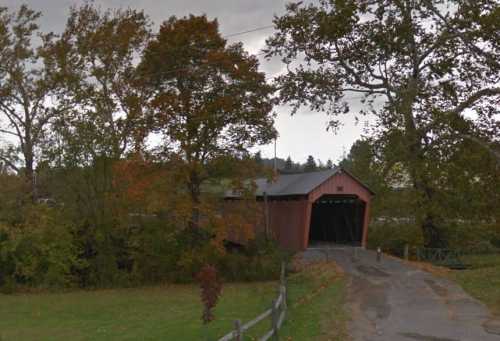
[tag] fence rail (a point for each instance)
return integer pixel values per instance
(277, 313)
(441, 256)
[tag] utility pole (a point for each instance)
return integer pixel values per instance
(275, 167)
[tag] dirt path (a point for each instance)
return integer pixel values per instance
(394, 301)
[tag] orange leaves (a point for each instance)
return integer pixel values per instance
(140, 185)
(241, 218)
(210, 102)
(211, 288)
(134, 177)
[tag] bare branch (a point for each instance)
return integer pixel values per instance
(464, 38)
(463, 130)
(10, 112)
(8, 132)
(474, 98)
(12, 117)
(365, 91)
(9, 163)
(357, 78)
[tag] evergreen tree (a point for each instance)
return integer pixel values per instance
(288, 163)
(310, 165)
(329, 164)
(258, 157)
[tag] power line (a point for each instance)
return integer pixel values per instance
(256, 29)
(248, 31)
(186, 68)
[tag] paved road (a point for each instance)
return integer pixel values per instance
(394, 301)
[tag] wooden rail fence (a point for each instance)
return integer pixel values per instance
(441, 256)
(276, 313)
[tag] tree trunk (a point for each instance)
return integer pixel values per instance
(196, 235)
(433, 236)
(194, 189)
(29, 171)
(427, 212)
(418, 164)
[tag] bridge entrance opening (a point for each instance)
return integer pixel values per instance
(337, 219)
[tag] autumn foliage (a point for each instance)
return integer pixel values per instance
(121, 142)
(211, 288)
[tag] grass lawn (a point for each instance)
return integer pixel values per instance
(316, 310)
(172, 312)
(481, 279)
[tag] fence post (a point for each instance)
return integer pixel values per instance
(282, 272)
(266, 215)
(407, 252)
(285, 287)
(239, 332)
(275, 315)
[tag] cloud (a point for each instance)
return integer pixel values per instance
(301, 135)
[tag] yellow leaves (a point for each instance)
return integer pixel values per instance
(241, 218)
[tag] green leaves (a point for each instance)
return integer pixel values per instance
(429, 62)
(94, 61)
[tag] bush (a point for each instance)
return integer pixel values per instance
(392, 237)
(472, 237)
(40, 252)
(259, 260)
(46, 251)
(154, 252)
(211, 288)
(462, 236)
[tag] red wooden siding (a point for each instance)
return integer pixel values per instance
(289, 220)
(344, 180)
(349, 186)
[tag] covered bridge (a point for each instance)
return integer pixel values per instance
(301, 210)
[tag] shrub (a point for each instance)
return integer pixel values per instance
(259, 260)
(40, 252)
(392, 237)
(47, 251)
(472, 237)
(211, 288)
(154, 252)
(462, 236)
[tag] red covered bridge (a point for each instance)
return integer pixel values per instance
(307, 208)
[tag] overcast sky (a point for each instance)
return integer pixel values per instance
(301, 135)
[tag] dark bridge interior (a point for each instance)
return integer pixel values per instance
(337, 219)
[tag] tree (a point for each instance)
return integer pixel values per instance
(431, 61)
(94, 64)
(208, 98)
(258, 157)
(360, 159)
(26, 90)
(288, 163)
(310, 165)
(381, 175)
(95, 60)
(329, 164)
